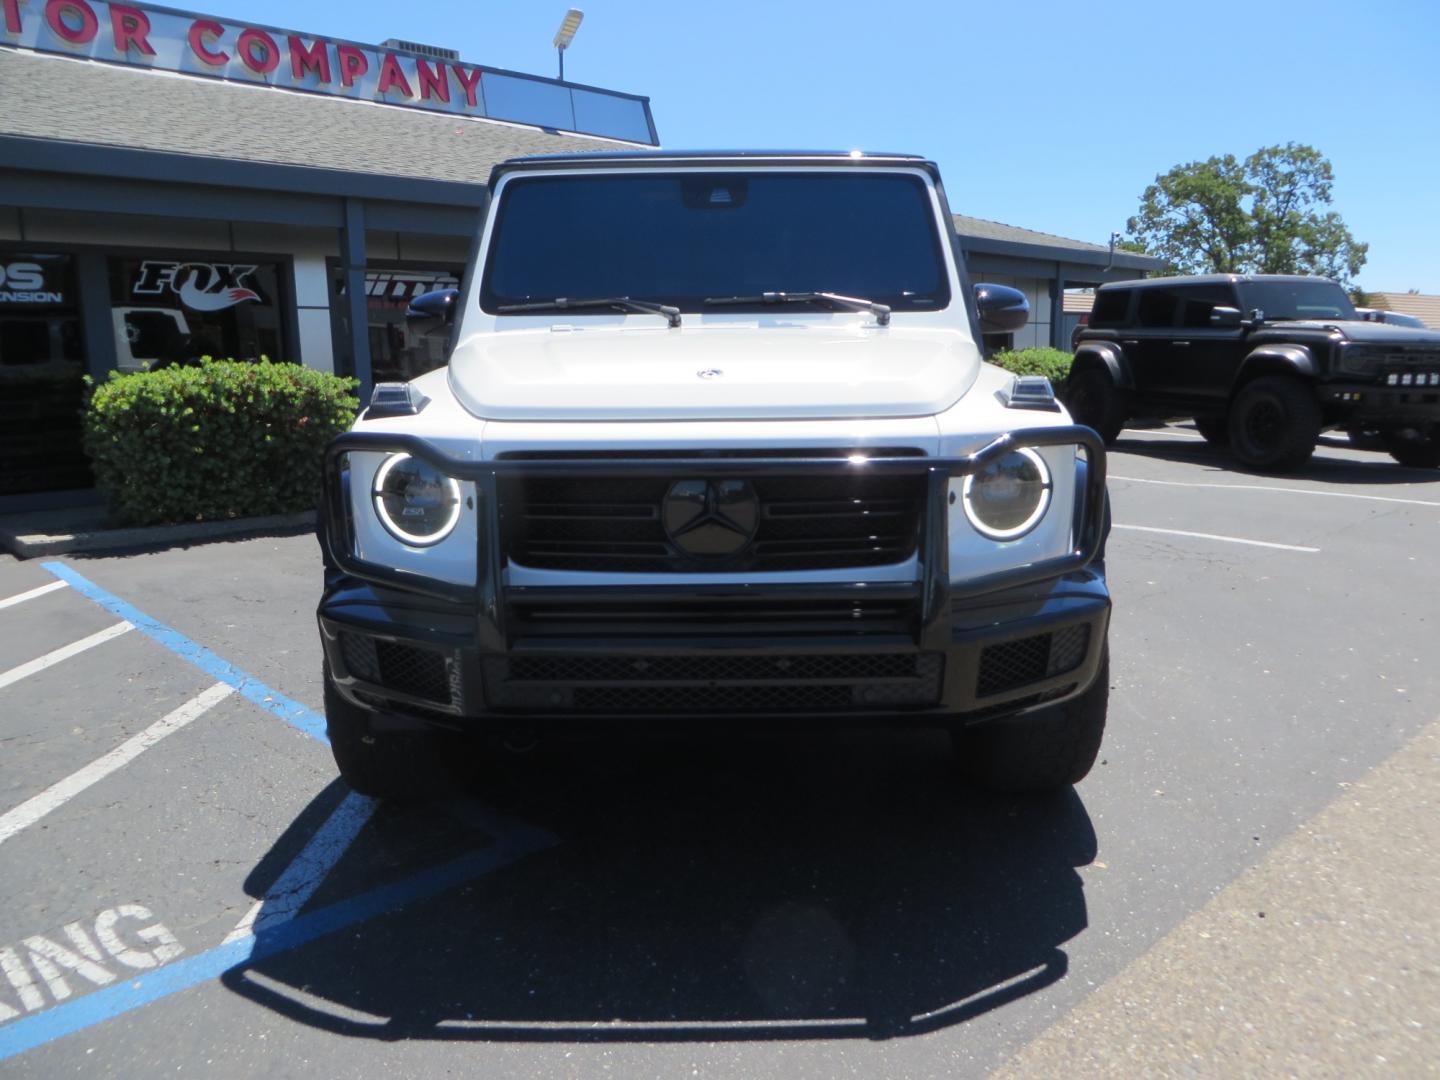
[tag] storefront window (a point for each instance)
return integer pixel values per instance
(172, 310)
(42, 368)
(397, 352)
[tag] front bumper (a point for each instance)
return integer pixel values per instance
(1380, 405)
(416, 654)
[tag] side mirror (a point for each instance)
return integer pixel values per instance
(1000, 308)
(1225, 317)
(437, 307)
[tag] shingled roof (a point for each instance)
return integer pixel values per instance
(1424, 308)
(83, 101)
(993, 237)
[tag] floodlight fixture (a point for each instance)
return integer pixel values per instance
(566, 34)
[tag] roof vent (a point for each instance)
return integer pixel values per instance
(420, 50)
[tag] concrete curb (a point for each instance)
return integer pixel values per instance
(28, 545)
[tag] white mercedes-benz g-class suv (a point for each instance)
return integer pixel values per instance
(716, 446)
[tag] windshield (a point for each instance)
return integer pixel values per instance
(680, 238)
(1316, 299)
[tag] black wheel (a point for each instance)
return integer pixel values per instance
(386, 766)
(1422, 452)
(1041, 751)
(1095, 401)
(1216, 429)
(1274, 423)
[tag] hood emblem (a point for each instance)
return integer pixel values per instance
(711, 517)
(710, 373)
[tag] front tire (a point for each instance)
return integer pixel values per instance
(1215, 429)
(1274, 424)
(1417, 453)
(389, 766)
(1095, 401)
(1041, 751)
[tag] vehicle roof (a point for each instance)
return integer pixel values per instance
(1207, 279)
(657, 158)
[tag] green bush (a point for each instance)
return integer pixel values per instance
(223, 439)
(1052, 363)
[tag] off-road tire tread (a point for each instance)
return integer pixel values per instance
(1424, 454)
(1111, 401)
(1215, 429)
(1298, 443)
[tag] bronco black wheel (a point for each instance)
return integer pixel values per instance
(1095, 401)
(1274, 424)
(1216, 429)
(1418, 452)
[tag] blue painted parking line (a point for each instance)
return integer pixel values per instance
(513, 840)
(26, 1034)
(288, 709)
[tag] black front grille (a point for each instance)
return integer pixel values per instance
(714, 683)
(888, 612)
(613, 523)
(1013, 664)
(672, 699)
(795, 669)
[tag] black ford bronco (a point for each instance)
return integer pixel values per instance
(1263, 363)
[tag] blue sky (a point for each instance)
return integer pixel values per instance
(1054, 116)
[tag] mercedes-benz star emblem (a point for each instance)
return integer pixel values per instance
(711, 517)
(710, 373)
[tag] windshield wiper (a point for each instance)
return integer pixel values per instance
(617, 303)
(850, 303)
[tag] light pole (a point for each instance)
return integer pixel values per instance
(566, 34)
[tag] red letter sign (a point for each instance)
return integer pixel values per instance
(247, 44)
(433, 82)
(55, 12)
(316, 59)
(391, 75)
(199, 29)
(130, 26)
(12, 16)
(469, 81)
(352, 63)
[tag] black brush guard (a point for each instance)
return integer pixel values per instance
(937, 593)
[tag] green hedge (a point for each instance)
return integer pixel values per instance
(1052, 363)
(223, 439)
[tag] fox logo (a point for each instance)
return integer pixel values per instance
(200, 286)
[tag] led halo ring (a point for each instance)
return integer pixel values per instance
(377, 498)
(1035, 516)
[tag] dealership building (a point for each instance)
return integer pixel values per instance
(175, 185)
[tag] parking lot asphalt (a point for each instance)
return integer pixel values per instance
(185, 885)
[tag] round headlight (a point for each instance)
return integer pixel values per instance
(1008, 497)
(417, 503)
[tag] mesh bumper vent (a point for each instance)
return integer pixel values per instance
(1013, 664)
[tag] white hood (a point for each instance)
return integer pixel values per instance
(778, 372)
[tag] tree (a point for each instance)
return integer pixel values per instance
(1263, 215)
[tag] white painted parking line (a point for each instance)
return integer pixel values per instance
(20, 598)
(1214, 536)
(284, 899)
(1163, 431)
(50, 659)
(57, 795)
(1267, 487)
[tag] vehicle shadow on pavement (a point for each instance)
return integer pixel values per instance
(1376, 467)
(836, 887)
